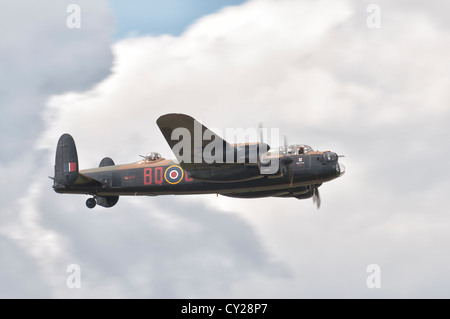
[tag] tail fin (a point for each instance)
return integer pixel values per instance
(66, 162)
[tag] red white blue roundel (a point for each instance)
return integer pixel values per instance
(173, 174)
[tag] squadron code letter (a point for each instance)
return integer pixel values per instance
(198, 309)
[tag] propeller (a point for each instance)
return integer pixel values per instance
(260, 129)
(316, 196)
(287, 161)
(262, 151)
(284, 160)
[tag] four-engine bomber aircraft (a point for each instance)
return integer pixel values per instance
(203, 166)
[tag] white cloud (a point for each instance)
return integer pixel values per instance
(317, 72)
(40, 56)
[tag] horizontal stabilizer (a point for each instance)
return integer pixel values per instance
(84, 180)
(107, 201)
(106, 161)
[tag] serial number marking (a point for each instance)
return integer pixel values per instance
(230, 308)
(246, 308)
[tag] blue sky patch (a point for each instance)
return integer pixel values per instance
(140, 17)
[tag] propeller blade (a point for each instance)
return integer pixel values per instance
(285, 145)
(316, 196)
(291, 175)
(260, 129)
(262, 147)
(287, 161)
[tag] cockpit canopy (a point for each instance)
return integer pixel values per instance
(152, 156)
(291, 150)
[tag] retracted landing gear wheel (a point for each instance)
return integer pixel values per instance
(91, 202)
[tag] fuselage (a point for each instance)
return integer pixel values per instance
(164, 177)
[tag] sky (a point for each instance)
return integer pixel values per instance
(326, 73)
(151, 17)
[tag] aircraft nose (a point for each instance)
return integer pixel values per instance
(340, 169)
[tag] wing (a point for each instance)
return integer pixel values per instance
(204, 154)
(195, 138)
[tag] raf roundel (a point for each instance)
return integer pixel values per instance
(173, 174)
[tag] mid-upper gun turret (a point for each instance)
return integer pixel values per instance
(152, 157)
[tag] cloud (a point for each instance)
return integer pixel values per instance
(40, 57)
(317, 72)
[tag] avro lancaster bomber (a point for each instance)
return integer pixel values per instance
(205, 164)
